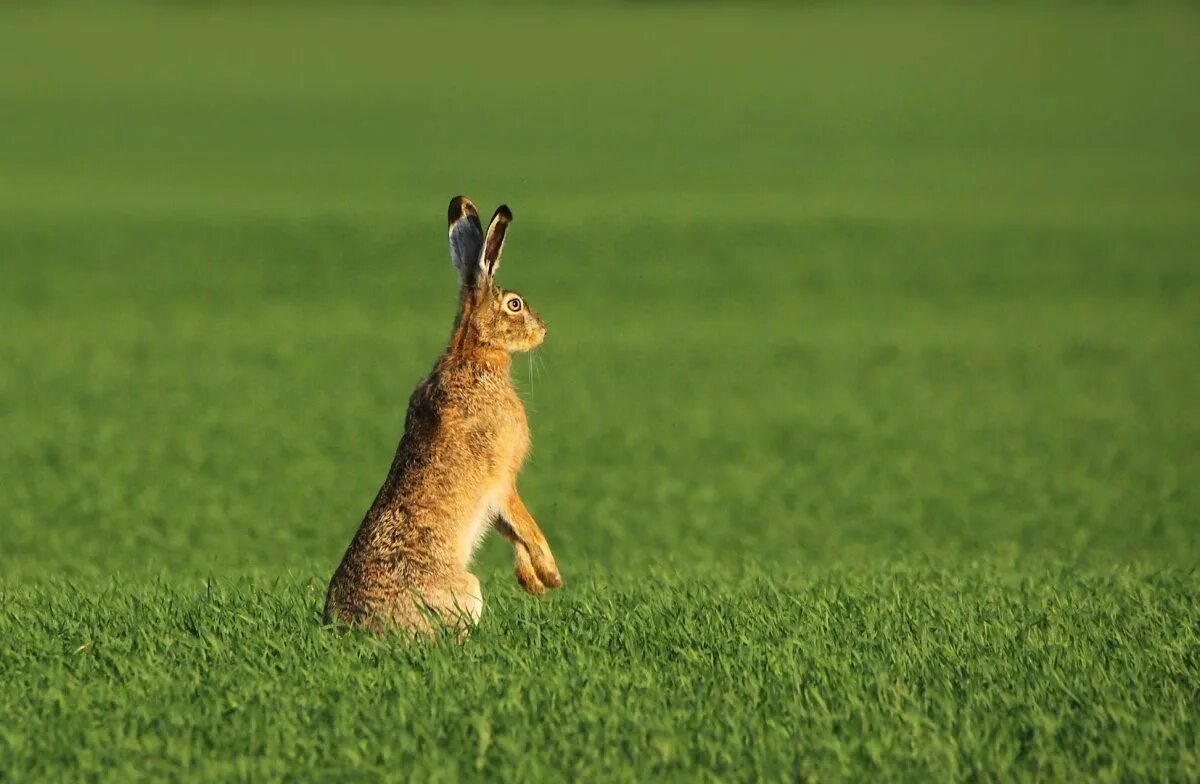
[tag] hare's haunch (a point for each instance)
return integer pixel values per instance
(455, 470)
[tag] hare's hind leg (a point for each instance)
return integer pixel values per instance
(459, 604)
(469, 596)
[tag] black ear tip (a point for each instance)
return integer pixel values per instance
(504, 213)
(460, 207)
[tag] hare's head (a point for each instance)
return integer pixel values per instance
(488, 314)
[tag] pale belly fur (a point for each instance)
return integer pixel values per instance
(477, 526)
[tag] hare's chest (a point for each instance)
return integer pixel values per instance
(499, 435)
(516, 436)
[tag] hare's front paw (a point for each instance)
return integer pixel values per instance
(547, 571)
(536, 570)
(528, 579)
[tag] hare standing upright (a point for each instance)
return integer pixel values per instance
(455, 470)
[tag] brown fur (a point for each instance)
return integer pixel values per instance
(455, 470)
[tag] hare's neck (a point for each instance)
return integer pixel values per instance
(465, 347)
(485, 358)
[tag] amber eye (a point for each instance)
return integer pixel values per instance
(513, 304)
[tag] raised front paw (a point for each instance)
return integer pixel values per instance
(528, 579)
(547, 571)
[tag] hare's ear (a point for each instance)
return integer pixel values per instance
(466, 239)
(493, 244)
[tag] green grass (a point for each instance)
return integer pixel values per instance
(914, 674)
(866, 432)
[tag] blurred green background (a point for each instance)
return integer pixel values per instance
(871, 287)
(825, 284)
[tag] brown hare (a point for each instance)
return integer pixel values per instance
(455, 471)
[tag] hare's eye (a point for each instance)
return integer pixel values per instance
(513, 304)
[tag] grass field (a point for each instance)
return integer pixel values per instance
(866, 433)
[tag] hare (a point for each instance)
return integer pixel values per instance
(455, 470)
